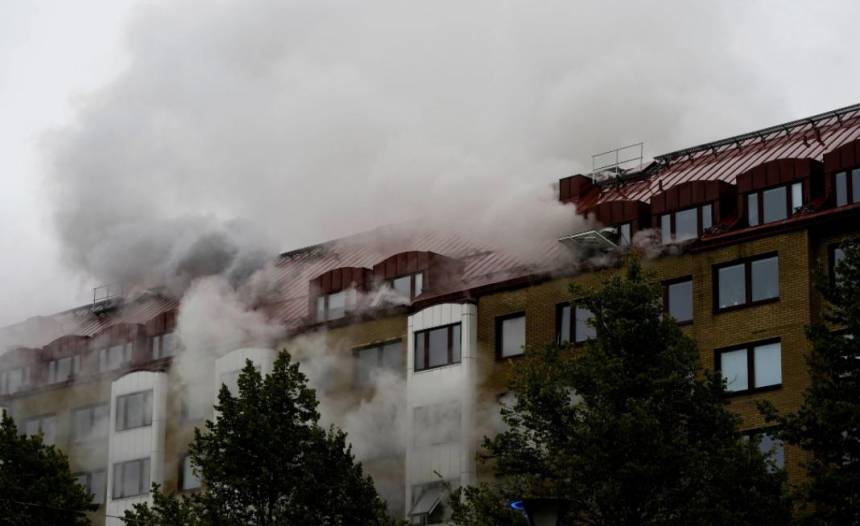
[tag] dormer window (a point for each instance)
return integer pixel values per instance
(64, 368)
(624, 234)
(409, 286)
(774, 204)
(686, 224)
(847, 187)
(335, 305)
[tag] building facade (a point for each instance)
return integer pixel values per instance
(735, 230)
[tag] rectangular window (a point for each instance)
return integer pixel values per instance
(335, 305)
(624, 235)
(163, 345)
(134, 410)
(93, 482)
(90, 423)
(855, 185)
(746, 282)
(369, 360)
(774, 205)
(752, 209)
(666, 228)
(563, 323)
(837, 254)
(131, 478)
(678, 298)
(510, 335)
(187, 478)
(583, 328)
(841, 180)
(63, 369)
(14, 380)
(115, 356)
(409, 286)
(796, 197)
(46, 424)
(751, 367)
(437, 347)
(686, 224)
(772, 448)
(707, 217)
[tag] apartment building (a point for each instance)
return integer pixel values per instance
(734, 229)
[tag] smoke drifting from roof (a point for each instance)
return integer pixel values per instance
(315, 119)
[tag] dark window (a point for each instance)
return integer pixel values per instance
(563, 323)
(187, 478)
(847, 187)
(686, 224)
(369, 360)
(93, 482)
(163, 345)
(678, 297)
(90, 423)
(750, 367)
(774, 204)
(409, 286)
(134, 410)
(746, 282)
(437, 347)
(131, 478)
(510, 335)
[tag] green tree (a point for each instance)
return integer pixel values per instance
(631, 431)
(36, 486)
(265, 460)
(827, 425)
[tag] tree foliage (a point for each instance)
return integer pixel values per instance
(265, 460)
(629, 431)
(36, 486)
(827, 425)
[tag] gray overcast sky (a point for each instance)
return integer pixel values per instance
(125, 122)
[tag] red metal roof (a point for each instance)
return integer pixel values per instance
(724, 160)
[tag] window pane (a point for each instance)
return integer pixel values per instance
(752, 208)
(131, 475)
(32, 427)
(101, 415)
(773, 448)
(365, 361)
(584, 330)
(841, 189)
(438, 347)
(765, 278)
(707, 217)
(768, 365)
(733, 366)
(455, 343)
(189, 479)
(117, 481)
(49, 429)
(97, 486)
(168, 344)
(403, 286)
(686, 224)
(134, 410)
(796, 196)
(681, 300)
(513, 335)
(731, 282)
(666, 228)
(392, 356)
(624, 235)
(419, 283)
(420, 352)
(774, 204)
(336, 305)
(564, 324)
(321, 308)
(855, 185)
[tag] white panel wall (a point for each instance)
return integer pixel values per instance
(438, 386)
(136, 443)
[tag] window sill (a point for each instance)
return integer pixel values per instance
(721, 310)
(756, 390)
(416, 371)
